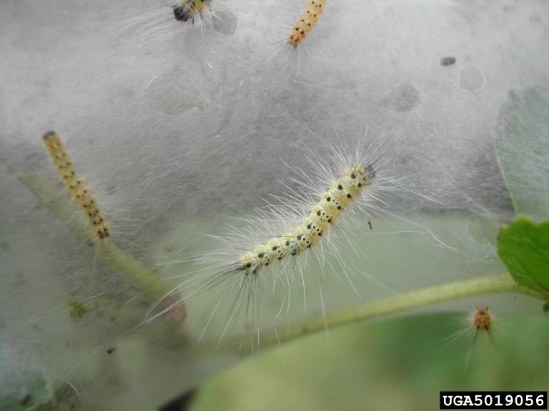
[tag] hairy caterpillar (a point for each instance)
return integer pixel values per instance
(482, 319)
(482, 324)
(185, 10)
(306, 21)
(281, 241)
(479, 324)
(79, 190)
(314, 226)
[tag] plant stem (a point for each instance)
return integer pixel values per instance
(147, 282)
(63, 208)
(388, 306)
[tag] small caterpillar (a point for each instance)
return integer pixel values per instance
(186, 10)
(480, 324)
(306, 22)
(482, 319)
(79, 190)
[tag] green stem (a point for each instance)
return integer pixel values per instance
(388, 306)
(65, 209)
(148, 283)
(130, 268)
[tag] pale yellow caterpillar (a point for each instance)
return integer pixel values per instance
(306, 21)
(281, 241)
(185, 10)
(313, 227)
(79, 190)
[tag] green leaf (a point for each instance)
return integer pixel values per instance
(524, 248)
(32, 395)
(522, 148)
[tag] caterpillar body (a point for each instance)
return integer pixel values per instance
(279, 243)
(306, 21)
(482, 326)
(79, 190)
(482, 319)
(313, 227)
(479, 326)
(185, 10)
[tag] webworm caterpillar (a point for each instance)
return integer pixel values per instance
(482, 324)
(79, 190)
(482, 319)
(280, 242)
(479, 324)
(314, 226)
(306, 21)
(185, 10)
